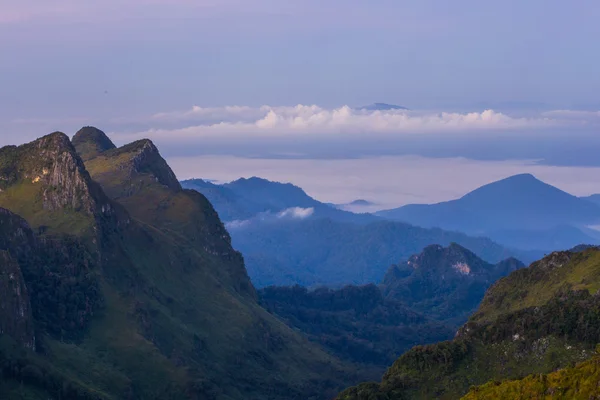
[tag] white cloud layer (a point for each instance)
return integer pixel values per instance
(296, 213)
(311, 119)
(292, 213)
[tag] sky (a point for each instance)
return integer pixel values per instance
(497, 83)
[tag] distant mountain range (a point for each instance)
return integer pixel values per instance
(247, 198)
(288, 238)
(381, 107)
(320, 251)
(520, 211)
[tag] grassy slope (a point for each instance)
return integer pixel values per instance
(541, 282)
(180, 317)
(574, 383)
(538, 302)
(253, 354)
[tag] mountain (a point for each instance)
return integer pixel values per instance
(594, 198)
(558, 237)
(534, 321)
(133, 287)
(519, 204)
(381, 107)
(248, 198)
(359, 205)
(355, 322)
(444, 283)
(320, 251)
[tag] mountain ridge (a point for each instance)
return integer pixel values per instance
(509, 204)
(166, 306)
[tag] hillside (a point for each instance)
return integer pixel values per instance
(355, 322)
(534, 321)
(578, 382)
(135, 290)
(314, 252)
(520, 204)
(248, 198)
(446, 284)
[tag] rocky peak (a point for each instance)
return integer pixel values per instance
(145, 158)
(47, 175)
(554, 260)
(454, 257)
(90, 142)
(16, 319)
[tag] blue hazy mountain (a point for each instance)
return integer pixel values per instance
(381, 107)
(446, 283)
(247, 198)
(594, 198)
(288, 237)
(320, 251)
(519, 206)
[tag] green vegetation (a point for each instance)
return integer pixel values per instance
(573, 383)
(148, 300)
(355, 323)
(534, 321)
(446, 283)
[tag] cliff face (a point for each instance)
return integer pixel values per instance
(50, 173)
(15, 308)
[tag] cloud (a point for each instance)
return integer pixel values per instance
(268, 121)
(296, 213)
(292, 213)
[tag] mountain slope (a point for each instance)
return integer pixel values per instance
(515, 203)
(534, 321)
(594, 198)
(247, 198)
(444, 283)
(578, 382)
(139, 295)
(325, 252)
(354, 322)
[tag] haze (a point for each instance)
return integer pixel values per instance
(280, 81)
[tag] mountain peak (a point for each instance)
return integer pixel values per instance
(526, 177)
(455, 276)
(142, 156)
(436, 256)
(48, 175)
(381, 107)
(90, 142)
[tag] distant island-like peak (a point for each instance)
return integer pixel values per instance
(381, 107)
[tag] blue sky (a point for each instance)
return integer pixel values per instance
(485, 80)
(60, 57)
